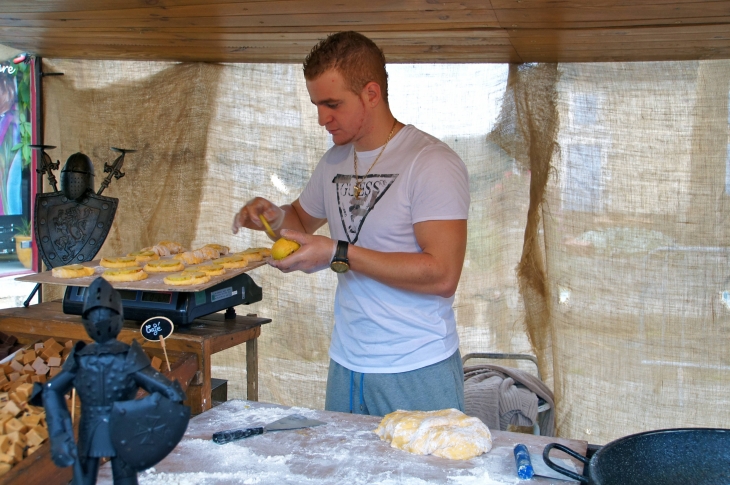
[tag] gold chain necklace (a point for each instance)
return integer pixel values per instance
(358, 180)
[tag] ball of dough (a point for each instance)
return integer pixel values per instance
(124, 274)
(447, 433)
(164, 266)
(72, 271)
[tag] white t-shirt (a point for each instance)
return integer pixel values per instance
(380, 329)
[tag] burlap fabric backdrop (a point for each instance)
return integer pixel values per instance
(603, 186)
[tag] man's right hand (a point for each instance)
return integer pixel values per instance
(248, 216)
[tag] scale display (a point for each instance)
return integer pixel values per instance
(180, 307)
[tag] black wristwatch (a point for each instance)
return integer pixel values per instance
(340, 263)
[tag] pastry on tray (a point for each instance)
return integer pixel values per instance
(256, 254)
(119, 262)
(222, 250)
(234, 261)
(144, 256)
(186, 278)
(72, 271)
(164, 266)
(172, 246)
(124, 274)
(211, 269)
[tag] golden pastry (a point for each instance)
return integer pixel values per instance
(186, 278)
(190, 257)
(211, 269)
(173, 247)
(222, 250)
(124, 274)
(234, 261)
(208, 252)
(119, 262)
(72, 271)
(161, 251)
(164, 266)
(256, 254)
(144, 256)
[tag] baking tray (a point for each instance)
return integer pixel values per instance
(154, 281)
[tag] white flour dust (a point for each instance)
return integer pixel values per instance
(342, 453)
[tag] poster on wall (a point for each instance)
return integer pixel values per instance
(16, 184)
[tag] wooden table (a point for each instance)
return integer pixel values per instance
(204, 337)
(344, 451)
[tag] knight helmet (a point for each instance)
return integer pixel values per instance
(77, 176)
(102, 313)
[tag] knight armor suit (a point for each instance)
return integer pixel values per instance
(104, 373)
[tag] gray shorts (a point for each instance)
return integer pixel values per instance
(437, 386)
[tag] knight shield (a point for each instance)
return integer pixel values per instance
(69, 231)
(144, 431)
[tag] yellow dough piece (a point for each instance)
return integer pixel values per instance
(161, 251)
(447, 433)
(144, 256)
(256, 254)
(190, 257)
(119, 262)
(186, 278)
(212, 269)
(124, 274)
(222, 250)
(208, 252)
(164, 266)
(72, 271)
(172, 246)
(234, 261)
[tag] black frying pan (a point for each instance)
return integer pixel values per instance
(683, 456)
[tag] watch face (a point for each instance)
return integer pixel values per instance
(339, 266)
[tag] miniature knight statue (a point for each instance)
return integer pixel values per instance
(107, 374)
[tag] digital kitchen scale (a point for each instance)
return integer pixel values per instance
(180, 307)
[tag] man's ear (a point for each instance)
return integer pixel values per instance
(371, 93)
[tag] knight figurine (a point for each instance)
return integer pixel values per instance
(134, 433)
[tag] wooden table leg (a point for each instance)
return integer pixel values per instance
(252, 370)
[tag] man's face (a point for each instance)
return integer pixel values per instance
(339, 110)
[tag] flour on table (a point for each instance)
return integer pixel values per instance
(447, 433)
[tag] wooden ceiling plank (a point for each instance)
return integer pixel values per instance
(532, 4)
(84, 35)
(593, 17)
(483, 18)
(270, 8)
(110, 7)
(496, 54)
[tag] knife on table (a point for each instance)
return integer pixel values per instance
(295, 421)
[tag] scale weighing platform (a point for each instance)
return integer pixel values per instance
(180, 307)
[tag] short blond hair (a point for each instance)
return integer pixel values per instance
(358, 59)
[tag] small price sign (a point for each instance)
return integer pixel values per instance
(157, 329)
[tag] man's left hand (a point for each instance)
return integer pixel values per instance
(315, 253)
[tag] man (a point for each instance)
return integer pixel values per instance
(396, 201)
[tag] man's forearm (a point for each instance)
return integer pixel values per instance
(417, 272)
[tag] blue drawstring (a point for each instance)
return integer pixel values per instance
(352, 385)
(352, 388)
(362, 386)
